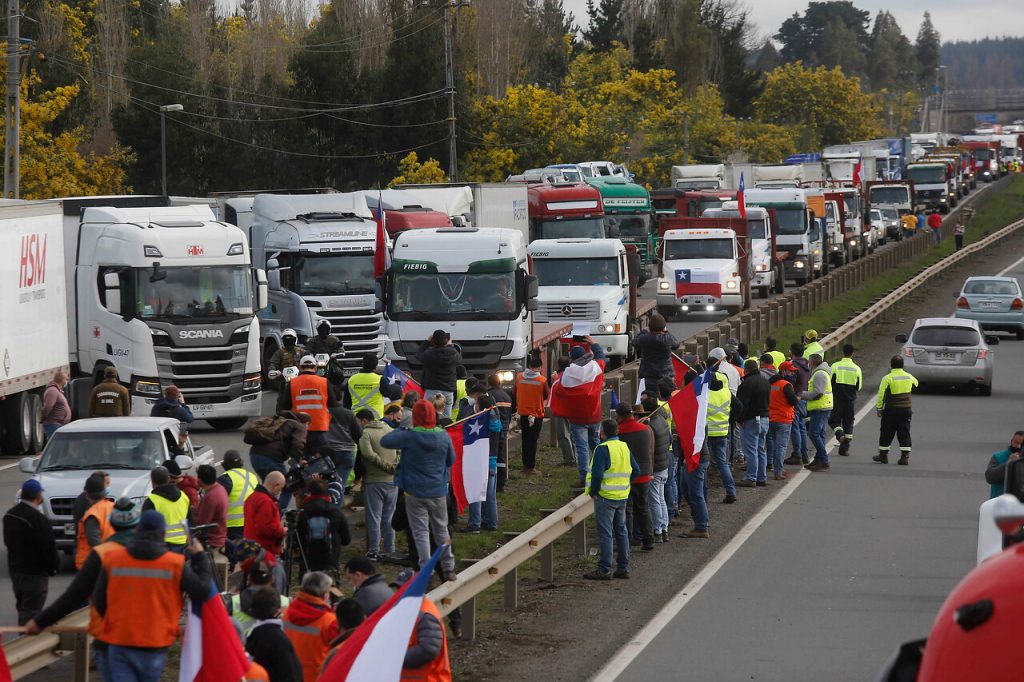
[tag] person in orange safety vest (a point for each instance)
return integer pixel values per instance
(309, 395)
(310, 624)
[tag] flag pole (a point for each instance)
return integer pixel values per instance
(475, 414)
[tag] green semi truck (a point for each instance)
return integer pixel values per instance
(628, 217)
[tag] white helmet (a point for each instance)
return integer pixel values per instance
(291, 333)
(307, 361)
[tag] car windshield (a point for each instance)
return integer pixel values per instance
(961, 337)
(693, 249)
(334, 274)
(992, 287)
(628, 226)
(927, 175)
(791, 220)
(890, 214)
(890, 195)
(194, 292)
(590, 228)
(579, 272)
(453, 296)
(91, 451)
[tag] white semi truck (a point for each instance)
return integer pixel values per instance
(318, 252)
(501, 205)
(767, 274)
(703, 270)
(699, 176)
(472, 283)
(798, 235)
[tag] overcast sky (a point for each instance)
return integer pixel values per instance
(954, 19)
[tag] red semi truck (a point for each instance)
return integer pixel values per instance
(560, 211)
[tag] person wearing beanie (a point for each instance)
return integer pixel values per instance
(239, 485)
(32, 555)
(136, 592)
(172, 405)
(110, 398)
(439, 358)
(423, 475)
(186, 483)
(576, 396)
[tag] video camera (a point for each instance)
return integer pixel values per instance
(299, 475)
(202, 532)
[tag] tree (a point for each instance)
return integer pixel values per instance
(554, 39)
(928, 49)
(893, 62)
(829, 33)
(412, 172)
(605, 25)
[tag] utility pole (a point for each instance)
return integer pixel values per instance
(686, 139)
(12, 147)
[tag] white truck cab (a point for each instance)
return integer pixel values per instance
(584, 280)
(701, 272)
(767, 276)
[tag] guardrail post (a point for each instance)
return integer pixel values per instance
(579, 537)
(714, 337)
(690, 347)
(547, 563)
(82, 657)
(469, 619)
(512, 588)
(745, 325)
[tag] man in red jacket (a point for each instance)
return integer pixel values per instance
(262, 517)
(935, 223)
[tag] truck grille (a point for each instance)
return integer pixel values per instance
(208, 374)
(360, 331)
(62, 506)
(572, 310)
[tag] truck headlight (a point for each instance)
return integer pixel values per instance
(663, 285)
(762, 267)
(731, 284)
(943, 198)
(609, 328)
(251, 382)
(799, 265)
(817, 252)
(147, 387)
(507, 376)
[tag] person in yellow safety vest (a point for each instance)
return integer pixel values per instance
(365, 390)
(460, 390)
(770, 344)
(811, 345)
(612, 468)
(819, 408)
(847, 380)
(721, 403)
(172, 505)
(893, 406)
(239, 484)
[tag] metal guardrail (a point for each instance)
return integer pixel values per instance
(27, 655)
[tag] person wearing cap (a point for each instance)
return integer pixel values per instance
(847, 380)
(186, 483)
(581, 408)
(109, 398)
(639, 438)
(172, 405)
(310, 623)
(819, 408)
(213, 507)
(136, 592)
(239, 484)
(309, 395)
(369, 587)
(286, 356)
(32, 555)
(172, 505)
(811, 345)
(782, 402)
(94, 527)
(366, 390)
(439, 358)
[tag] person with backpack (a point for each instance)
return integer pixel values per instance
(323, 530)
(172, 405)
(276, 442)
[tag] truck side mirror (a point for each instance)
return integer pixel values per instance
(532, 287)
(112, 292)
(380, 291)
(274, 279)
(261, 289)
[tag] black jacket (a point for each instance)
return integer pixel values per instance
(655, 351)
(344, 431)
(28, 537)
(504, 402)
(317, 556)
(662, 439)
(753, 392)
(439, 364)
(271, 648)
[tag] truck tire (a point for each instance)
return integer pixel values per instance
(227, 423)
(36, 410)
(17, 416)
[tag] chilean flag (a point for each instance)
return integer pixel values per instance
(381, 255)
(472, 441)
(856, 175)
(679, 369)
(741, 202)
(576, 394)
(375, 652)
(401, 379)
(696, 283)
(210, 649)
(5, 670)
(689, 406)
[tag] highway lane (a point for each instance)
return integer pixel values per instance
(855, 561)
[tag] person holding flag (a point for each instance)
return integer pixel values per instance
(689, 407)
(473, 442)
(576, 396)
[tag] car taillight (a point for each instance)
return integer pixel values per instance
(983, 353)
(908, 351)
(963, 304)
(1017, 304)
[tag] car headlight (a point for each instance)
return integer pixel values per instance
(147, 387)
(663, 285)
(251, 382)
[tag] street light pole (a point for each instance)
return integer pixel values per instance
(163, 143)
(12, 146)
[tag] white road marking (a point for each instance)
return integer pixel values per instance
(1011, 267)
(622, 659)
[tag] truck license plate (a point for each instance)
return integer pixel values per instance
(204, 408)
(69, 529)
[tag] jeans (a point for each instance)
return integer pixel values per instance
(49, 430)
(718, 447)
(610, 519)
(344, 462)
(755, 433)
(817, 429)
(448, 398)
(638, 514)
(428, 516)
(696, 495)
(29, 595)
(263, 466)
(656, 501)
(735, 443)
(798, 434)
(486, 511)
(380, 500)
(672, 487)
(564, 436)
(779, 437)
(938, 235)
(585, 439)
(131, 664)
(531, 434)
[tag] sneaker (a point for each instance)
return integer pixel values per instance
(881, 459)
(372, 556)
(781, 476)
(697, 533)
(729, 499)
(746, 484)
(621, 574)
(468, 529)
(762, 484)
(904, 460)
(456, 632)
(664, 536)
(450, 576)
(817, 466)
(838, 433)
(793, 460)
(598, 574)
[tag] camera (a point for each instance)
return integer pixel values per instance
(299, 475)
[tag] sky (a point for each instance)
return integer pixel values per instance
(954, 19)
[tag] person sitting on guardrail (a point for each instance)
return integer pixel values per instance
(612, 470)
(31, 551)
(310, 623)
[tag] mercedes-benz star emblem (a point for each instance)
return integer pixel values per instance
(567, 310)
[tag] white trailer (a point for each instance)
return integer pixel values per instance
(699, 176)
(483, 204)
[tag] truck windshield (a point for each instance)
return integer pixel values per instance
(890, 195)
(704, 204)
(195, 292)
(982, 154)
(453, 296)
(628, 226)
(927, 175)
(698, 184)
(334, 274)
(695, 249)
(89, 451)
(590, 228)
(576, 272)
(791, 220)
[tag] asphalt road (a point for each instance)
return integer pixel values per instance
(854, 562)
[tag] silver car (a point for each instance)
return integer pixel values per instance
(995, 302)
(948, 351)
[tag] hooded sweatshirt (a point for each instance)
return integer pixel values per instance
(304, 612)
(56, 409)
(169, 492)
(820, 382)
(380, 462)
(427, 454)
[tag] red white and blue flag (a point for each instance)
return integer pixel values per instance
(741, 202)
(472, 441)
(697, 283)
(401, 379)
(856, 175)
(375, 652)
(689, 406)
(381, 255)
(210, 649)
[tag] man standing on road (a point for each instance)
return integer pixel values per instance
(110, 398)
(639, 438)
(213, 506)
(31, 551)
(995, 473)
(310, 396)
(801, 376)
(819, 409)
(894, 407)
(935, 224)
(847, 380)
(782, 400)
(612, 468)
(367, 389)
(723, 409)
(239, 484)
(172, 504)
(753, 394)
(56, 410)
(94, 527)
(440, 358)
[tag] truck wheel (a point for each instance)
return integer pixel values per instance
(227, 423)
(17, 416)
(763, 292)
(800, 281)
(36, 410)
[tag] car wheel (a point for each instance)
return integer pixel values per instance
(984, 390)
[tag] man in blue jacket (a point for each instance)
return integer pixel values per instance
(423, 475)
(172, 405)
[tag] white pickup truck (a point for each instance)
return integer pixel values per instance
(127, 448)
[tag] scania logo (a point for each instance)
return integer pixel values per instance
(200, 334)
(567, 310)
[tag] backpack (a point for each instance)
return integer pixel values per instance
(318, 532)
(262, 430)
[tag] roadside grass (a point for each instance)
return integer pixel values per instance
(993, 212)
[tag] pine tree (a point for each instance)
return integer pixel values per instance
(928, 49)
(605, 24)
